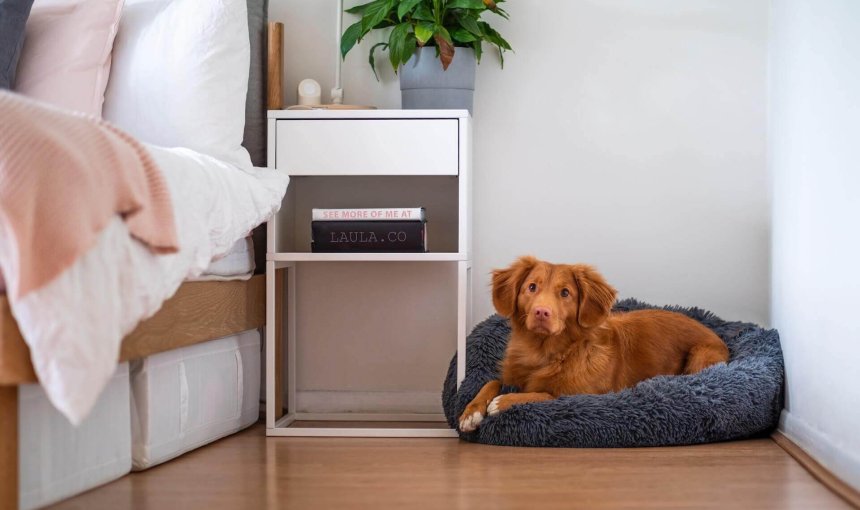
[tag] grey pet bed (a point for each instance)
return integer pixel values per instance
(728, 401)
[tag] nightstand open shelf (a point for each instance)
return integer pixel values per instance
(354, 159)
(367, 257)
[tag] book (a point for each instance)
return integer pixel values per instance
(368, 236)
(385, 214)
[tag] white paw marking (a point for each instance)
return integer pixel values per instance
(471, 422)
(493, 408)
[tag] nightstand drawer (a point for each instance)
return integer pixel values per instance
(368, 147)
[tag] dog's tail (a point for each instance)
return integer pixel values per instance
(703, 355)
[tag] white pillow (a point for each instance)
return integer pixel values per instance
(180, 75)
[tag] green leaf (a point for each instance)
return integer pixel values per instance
(406, 6)
(462, 35)
(501, 12)
(479, 50)
(372, 61)
(349, 38)
(466, 4)
(375, 13)
(411, 44)
(423, 13)
(501, 42)
(397, 44)
(358, 9)
(493, 36)
(424, 31)
(385, 24)
(470, 24)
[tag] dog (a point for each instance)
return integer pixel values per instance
(565, 339)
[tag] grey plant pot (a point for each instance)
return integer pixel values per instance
(425, 85)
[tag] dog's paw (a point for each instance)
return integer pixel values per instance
(470, 421)
(497, 405)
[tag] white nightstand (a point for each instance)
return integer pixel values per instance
(369, 158)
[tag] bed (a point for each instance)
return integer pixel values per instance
(198, 311)
(728, 401)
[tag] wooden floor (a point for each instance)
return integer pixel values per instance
(251, 471)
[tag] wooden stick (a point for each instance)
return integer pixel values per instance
(8, 447)
(275, 92)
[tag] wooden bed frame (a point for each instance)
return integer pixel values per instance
(198, 312)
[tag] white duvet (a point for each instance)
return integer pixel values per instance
(75, 324)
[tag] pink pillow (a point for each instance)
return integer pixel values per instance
(67, 50)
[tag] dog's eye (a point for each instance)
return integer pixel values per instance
(565, 292)
(532, 287)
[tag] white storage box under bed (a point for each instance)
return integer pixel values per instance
(188, 397)
(58, 460)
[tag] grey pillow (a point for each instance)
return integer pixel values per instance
(255, 103)
(255, 108)
(13, 19)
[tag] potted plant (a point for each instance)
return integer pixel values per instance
(435, 46)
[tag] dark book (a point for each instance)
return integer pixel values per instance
(368, 236)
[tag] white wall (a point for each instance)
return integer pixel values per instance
(623, 133)
(815, 169)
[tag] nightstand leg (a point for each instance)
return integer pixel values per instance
(279, 343)
(271, 336)
(462, 315)
(275, 373)
(291, 338)
(469, 312)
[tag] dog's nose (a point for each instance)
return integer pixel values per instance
(542, 312)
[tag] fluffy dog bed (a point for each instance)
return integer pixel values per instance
(728, 401)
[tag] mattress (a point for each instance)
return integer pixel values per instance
(58, 460)
(236, 264)
(188, 397)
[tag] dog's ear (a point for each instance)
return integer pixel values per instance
(507, 283)
(595, 296)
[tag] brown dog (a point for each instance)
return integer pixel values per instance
(566, 340)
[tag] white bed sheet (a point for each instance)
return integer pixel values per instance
(75, 324)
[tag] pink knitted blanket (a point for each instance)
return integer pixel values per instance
(62, 177)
